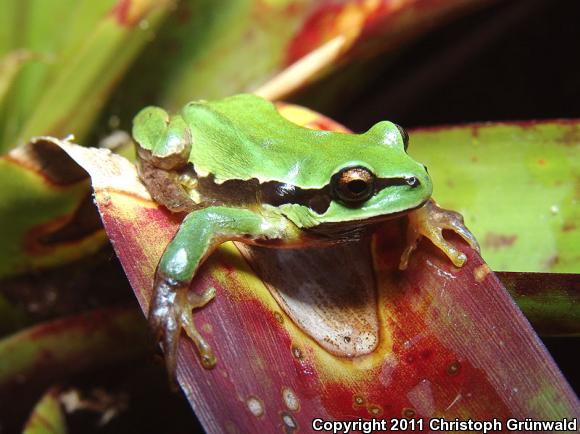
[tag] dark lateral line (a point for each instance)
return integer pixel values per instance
(276, 194)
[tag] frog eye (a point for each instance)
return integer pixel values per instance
(353, 185)
(404, 135)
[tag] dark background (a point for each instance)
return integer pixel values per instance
(515, 60)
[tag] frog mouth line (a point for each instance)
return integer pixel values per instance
(356, 229)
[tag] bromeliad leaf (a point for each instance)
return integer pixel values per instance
(451, 342)
(52, 352)
(64, 90)
(47, 416)
(46, 211)
(534, 165)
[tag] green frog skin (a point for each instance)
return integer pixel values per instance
(243, 172)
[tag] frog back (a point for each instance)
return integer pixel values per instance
(244, 137)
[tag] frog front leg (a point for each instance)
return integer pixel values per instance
(429, 221)
(199, 234)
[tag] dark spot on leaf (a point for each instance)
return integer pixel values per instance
(357, 401)
(568, 227)
(571, 137)
(289, 423)
(497, 241)
(84, 222)
(454, 368)
(297, 353)
(375, 410)
(551, 261)
(52, 163)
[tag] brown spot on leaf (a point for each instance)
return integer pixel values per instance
(297, 353)
(279, 317)
(357, 401)
(231, 427)
(454, 368)
(375, 410)
(497, 241)
(568, 227)
(551, 261)
(83, 222)
(49, 162)
(571, 137)
(289, 423)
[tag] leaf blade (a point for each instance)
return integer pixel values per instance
(532, 164)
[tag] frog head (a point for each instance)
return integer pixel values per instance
(370, 178)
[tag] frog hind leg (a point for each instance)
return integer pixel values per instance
(164, 187)
(172, 302)
(429, 221)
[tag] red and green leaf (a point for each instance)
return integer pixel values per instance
(451, 341)
(46, 212)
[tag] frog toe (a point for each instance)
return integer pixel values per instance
(170, 312)
(164, 320)
(429, 221)
(454, 222)
(196, 301)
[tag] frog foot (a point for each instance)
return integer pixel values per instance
(430, 221)
(171, 310)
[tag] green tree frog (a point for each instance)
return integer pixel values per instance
(243, 172)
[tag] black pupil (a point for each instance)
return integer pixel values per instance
(357, 186)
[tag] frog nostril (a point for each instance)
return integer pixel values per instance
(425, 167)
(412, 181)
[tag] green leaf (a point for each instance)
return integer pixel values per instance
(64, 93)
(12, 317)
(10, 65)
(46, 212)
(47, 416)
(60, 348)
(208, 49)
(516, 184)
